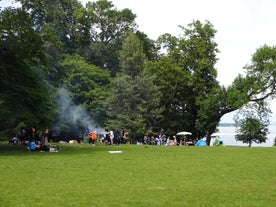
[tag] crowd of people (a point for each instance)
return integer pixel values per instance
(25, 136)
(41, 147)
(34, 140)
(107, 138)
(164, 140)
(38, 140)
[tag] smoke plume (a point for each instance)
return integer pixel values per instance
(74, 116)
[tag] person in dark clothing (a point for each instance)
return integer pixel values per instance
(121, 136)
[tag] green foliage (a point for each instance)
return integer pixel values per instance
(149, 47)
(262, 73)
(252, 130)
(186, 76)
(24, 94)
(108, 27)
(58, 16)
(134, 103)
(173, 85)
(88, 47)
(18, 37)
(211, 110)
(132, 58)
(89, 85)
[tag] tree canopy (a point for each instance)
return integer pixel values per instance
(252, 130)
(120, 76)
(24, 94)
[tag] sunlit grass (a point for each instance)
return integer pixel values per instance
(83, 175)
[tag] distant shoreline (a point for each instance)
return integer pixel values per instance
(226, 125)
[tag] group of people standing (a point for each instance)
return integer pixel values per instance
(110, 138)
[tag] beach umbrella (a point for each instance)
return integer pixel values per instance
(217, 134)
(184, 133)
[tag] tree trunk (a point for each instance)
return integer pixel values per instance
(208, 139)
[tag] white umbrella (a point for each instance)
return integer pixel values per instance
(216, 134)
(184, 133)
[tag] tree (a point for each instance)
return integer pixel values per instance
(191, 95)
(186, 75)
(108, 27)
(172, 82)
(134, 101)
(133, 105)
(256, 86)
(150, 49)
(89, 85)
(132, 57)
(252, 130)
(24, 96)
(57, 17)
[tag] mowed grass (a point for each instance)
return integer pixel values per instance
(83, 175)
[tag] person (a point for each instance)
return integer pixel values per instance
(174, 140)
(14, 140)
(158, 140)
(46, 135)
(23, 136)
(121, 136)
(111, 134)
(32, 145)
(44, 148)
(93, 137)
(41, 137)
(168, 141)
(90, 137)
(33, 133)
(107, 137)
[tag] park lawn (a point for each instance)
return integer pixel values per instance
(83, 175)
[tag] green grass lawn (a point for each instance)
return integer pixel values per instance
(83, 175)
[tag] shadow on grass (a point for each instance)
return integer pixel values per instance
(64, 149)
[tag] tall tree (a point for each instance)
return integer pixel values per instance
(89, 85)
(108, 27)
(256, 86)
(24, 96)
(132, 57)
(150, 48)
(189, 67)
(198, 102)
(134, 101)
(58, 16)
(57, 23)
(172, 82)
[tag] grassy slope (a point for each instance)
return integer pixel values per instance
(82, 175)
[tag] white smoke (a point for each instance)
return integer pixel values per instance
(73, 114)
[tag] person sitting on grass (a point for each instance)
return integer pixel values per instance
(32, 145)
(14, 140)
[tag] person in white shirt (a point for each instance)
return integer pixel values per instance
(111, 134)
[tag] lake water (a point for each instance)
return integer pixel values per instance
(228, 137)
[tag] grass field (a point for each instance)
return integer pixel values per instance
(83, 175)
